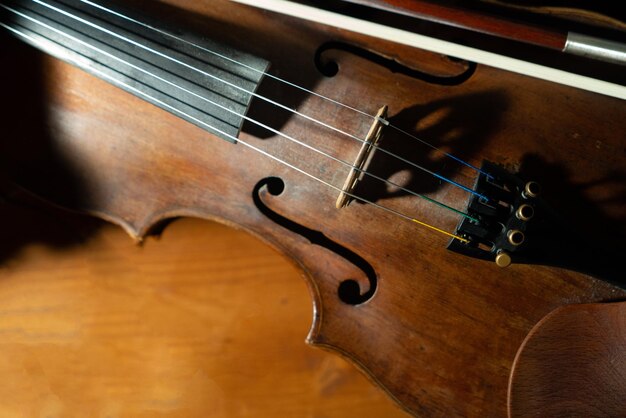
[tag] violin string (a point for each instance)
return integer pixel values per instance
(287, 82)
(121, 83)
(252, 93)
(258, 123)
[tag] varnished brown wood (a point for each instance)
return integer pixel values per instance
(598, 14)
(103, 327)
(467, 18)
(442, 330)
(572, 364)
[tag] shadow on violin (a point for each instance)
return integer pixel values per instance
(587, 235)
(462, 123)
(31, 158)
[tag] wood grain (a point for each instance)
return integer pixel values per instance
(441, 331)
(205, 321)
(572, 364)
(474, 21)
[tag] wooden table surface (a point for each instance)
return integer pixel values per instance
(204, 321)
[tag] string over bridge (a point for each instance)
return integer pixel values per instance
(362, 159)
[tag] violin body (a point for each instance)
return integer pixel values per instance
(439, 331)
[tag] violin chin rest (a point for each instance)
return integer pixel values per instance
(572, 364)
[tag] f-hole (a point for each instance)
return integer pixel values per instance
(330, 68)
(349, 290)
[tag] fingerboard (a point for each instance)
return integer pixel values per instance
(203, 82)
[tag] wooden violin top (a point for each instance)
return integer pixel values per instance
(437, 331)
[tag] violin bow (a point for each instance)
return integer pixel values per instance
(302, 11)
(557, 40)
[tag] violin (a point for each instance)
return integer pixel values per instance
(439, 209)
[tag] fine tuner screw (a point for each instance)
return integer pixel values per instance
(503, 259)
(515, 236)
(525, 212)
(532, 189)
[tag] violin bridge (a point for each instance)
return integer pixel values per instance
(362, 160)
